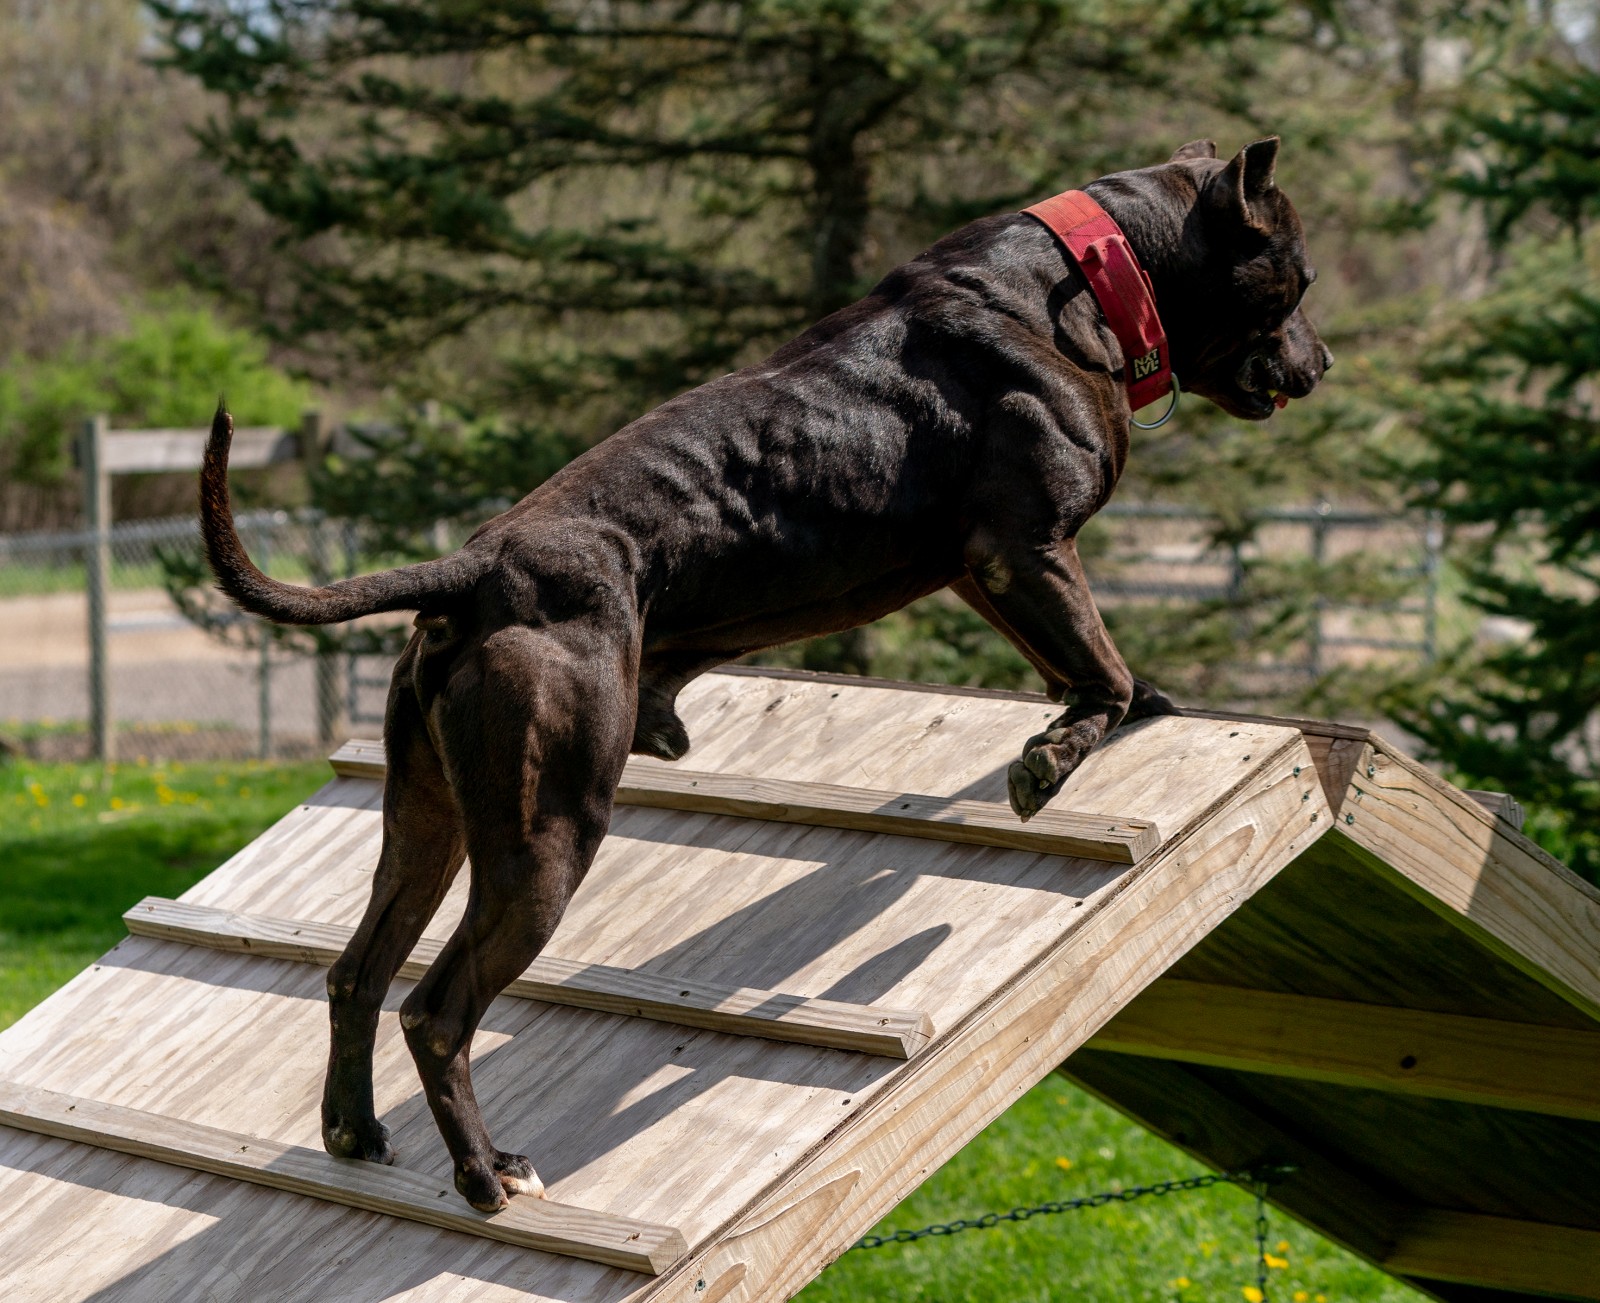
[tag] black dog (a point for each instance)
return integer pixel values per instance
(955, 428)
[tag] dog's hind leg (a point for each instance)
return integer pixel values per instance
(536, 736)
(423, 848)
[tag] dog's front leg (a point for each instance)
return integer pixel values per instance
(1044, 606)
(970, 591)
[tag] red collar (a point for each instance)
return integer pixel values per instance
(1126, 296)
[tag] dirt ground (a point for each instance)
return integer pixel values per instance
(175, 691)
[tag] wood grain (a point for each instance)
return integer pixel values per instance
(1509, 1065)
(970, 1074)
(828, 805)
(1475, 869)
(802, 1020)
(1498, 1253)
(530, 1223)
(1500, 804)
(771, 1158)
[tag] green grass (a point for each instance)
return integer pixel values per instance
(39, 579)
(79, 844)
(1057, 1143)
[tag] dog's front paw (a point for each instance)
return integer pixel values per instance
(1149, 701)
(1027, 793)
(1048, 760)
(369, 1141)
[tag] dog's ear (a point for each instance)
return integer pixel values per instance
(1245, 183)
(1194, 149)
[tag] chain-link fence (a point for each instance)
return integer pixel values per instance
(174, 690)
(1370, 581)
(177, 691)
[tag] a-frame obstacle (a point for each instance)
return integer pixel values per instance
(805, 970)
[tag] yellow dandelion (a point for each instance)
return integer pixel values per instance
(1061, 1099)
(1208, 1247)
(1064, 1164)
(1283, 1246)
(222, 780)
(1300, 1296)
(117, 803)
(1182, 1282)
(244, 793)
(1253, 1295)
(1275, 1262)
(41, 799)
(79, 800)
(164, 794)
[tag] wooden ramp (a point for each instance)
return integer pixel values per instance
(803, 972)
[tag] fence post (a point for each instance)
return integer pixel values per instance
(264, 666)
(1433, 546)
(1319, 603)
(326, 672)
(352, 667)
(97, 576)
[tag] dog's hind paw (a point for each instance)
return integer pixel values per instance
(370, 1142)
(517, 1175)
(660, 734)
(488, 1189)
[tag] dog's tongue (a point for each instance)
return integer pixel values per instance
(1280, 401)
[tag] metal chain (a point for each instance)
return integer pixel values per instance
(1259, 1179)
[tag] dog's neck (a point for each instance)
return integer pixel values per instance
(1154, 229)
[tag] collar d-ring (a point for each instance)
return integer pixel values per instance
(1165, 416)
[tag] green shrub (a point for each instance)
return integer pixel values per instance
(166, 370)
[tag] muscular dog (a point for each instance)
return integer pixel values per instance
(955, 428)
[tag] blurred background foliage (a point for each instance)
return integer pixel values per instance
(508, 228)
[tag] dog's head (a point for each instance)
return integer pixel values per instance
(1237, 331)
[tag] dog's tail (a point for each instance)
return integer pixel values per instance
(427, 586)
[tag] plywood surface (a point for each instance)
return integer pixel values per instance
(392, 1190)
(685, 1127)
(1409, 1013)
(1490, 1061)
(662, 786)
(1306, 861)
(681, 1001)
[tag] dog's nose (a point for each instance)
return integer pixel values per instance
(1327, 359)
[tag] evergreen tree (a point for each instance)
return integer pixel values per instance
(557, 214)
(615, 202)
(1509, 410)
